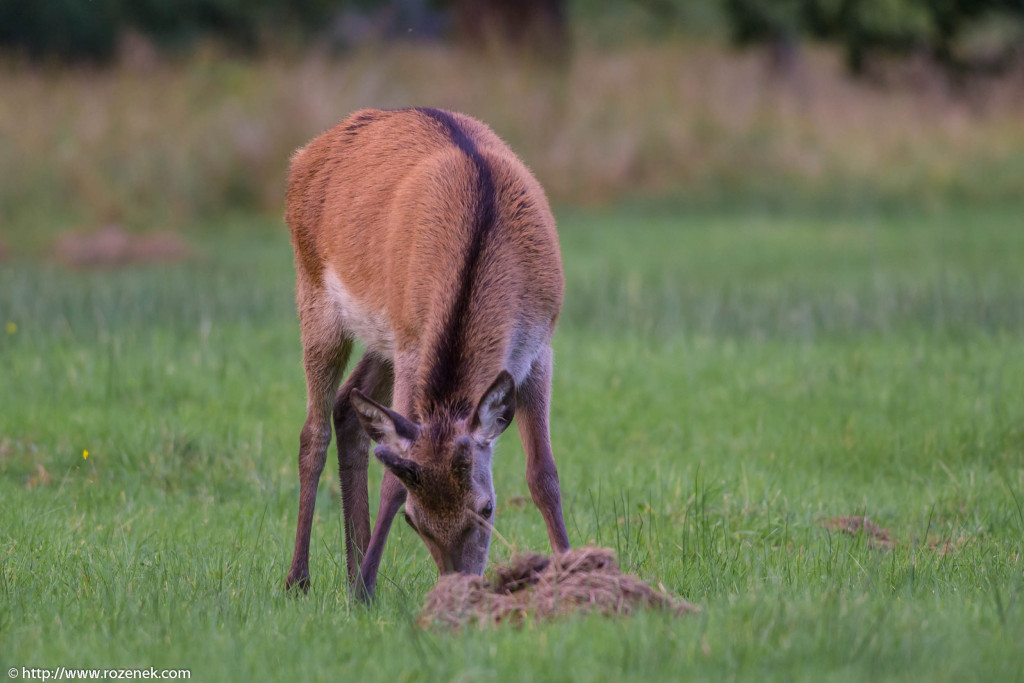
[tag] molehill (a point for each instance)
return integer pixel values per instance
(540, 587)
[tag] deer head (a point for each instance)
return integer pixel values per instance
(445, 465)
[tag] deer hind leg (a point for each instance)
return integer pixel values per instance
(532, 409)
(374, 377)
(324, 359)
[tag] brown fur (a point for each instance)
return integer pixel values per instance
(424, 223)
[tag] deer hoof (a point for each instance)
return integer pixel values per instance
(297, 582)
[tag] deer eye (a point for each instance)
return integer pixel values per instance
(408, 520)
(488, 510)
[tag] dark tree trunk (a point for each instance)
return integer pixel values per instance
(536, 25)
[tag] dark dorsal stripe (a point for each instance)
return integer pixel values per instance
(447, 370)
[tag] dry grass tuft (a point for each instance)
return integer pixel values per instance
(113, 246)
(40, 478)
(579, 581)
(946, 546)
(877, 536)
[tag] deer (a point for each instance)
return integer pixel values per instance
(421, 234)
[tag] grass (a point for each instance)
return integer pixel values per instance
(725, 382)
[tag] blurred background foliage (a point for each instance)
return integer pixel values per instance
(945, 30)
(78, 29)
(171, 113)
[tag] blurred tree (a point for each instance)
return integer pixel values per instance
(863, 27)
(65, 29)
(90, 29)
(778, 23)
(533, 24)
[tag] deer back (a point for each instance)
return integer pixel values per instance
(429, 240)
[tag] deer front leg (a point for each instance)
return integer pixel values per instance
(392, 492)
(533, 404)
(392, 497)
(323, 366)
(373, 377)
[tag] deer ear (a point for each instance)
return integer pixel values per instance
(408, 471)
(384, 425)
(496, 408)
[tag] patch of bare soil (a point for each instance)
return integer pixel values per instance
(579, 581)
(945, 546)
(113, 246)
(877, 536)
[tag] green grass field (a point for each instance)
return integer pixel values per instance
(725, 382)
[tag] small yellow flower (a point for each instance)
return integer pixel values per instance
(11, 327)
(85, 454)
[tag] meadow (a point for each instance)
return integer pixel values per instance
(726, 381)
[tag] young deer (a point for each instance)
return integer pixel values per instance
(419, 232)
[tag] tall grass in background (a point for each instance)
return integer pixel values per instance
(153, 144)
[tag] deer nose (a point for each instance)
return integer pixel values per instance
(451, 567)
(466, 568)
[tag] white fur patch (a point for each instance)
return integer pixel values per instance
(526, 344)
(372, 327)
